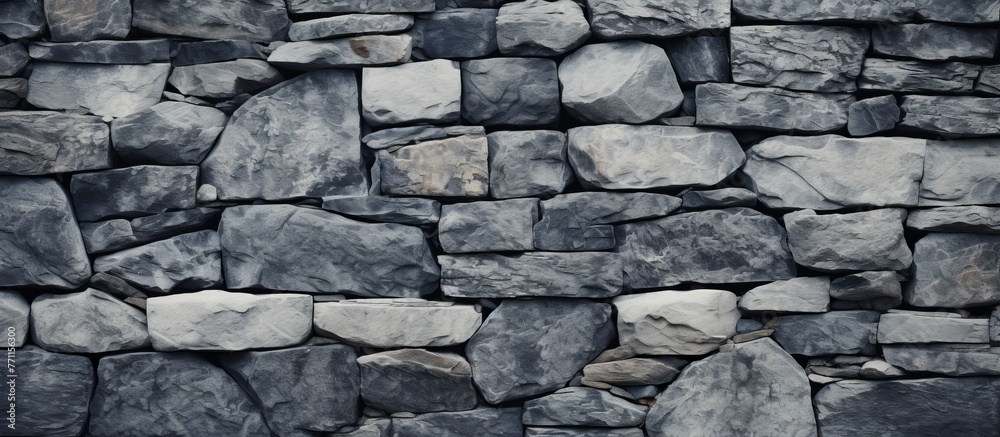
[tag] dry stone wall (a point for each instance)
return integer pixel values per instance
(538, 218)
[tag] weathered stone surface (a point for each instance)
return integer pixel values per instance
(968, 219)
(617, 19)
(360, 6)
(255, 20)
(635, 371)
(22, 19)
(934, 41)
(349, 25)
(528, 163)
(795, 171)
(451, 167)
(540, 28)
(41, 240)
(619, 82)
(170, 133)
(402, 136)
(12, 91)
(917, 328)
(582, 406)
(989, 80)
(207, 52)
(13, 58)
(960, 172)
(837, 332)
(719, 198)
(918, 76)
(951, 115)
(773, 400)
(510, 91)
(417, 381)
(221, 320)
(581, 221)
(44, 142)
(955, 271)
(105, 90)
(494, 226)
(73, 20)
(975, 11)
(455, 34)
(618, 156)
(802, 57)
(868, 240)
(355, 51)
(710, 247)
(147, 391)
(407, 211)
(738, 106)
(491, 275)
(947, 359)
(488, 422)
(871, 290)
(52, 392)
(102, 52)
(693, 322)
(412, 93)
(302, 390)
(869, 116)
(530, 347)
(14, 312)
(87, 322)
(699, 59)
(392, 323)
(995, 325)
(223, 80)
(533, 431)
(133, 191)
(262, 247)
(117, 234)
(799, 295)
(185, 262)
(312, 146)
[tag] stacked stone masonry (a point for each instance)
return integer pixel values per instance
(476, 218)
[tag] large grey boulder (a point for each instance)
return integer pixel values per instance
(968, 219)
(914, 327)
(74, 20)
(402, 210)
(22, 19)
(710, 247)
(795, 171)
(510, 91)
(973, 11)
(417, 381)
(223, 80)
(739, 106)
(105, 90)
(918, 76)
(312, 146)
(531, 347)
(417, 92)
(951, 115)
(493, 275)
(355, 51)
(457, 166)
(186, 262)
(487, 422)
(148, 390)
(540, 28)
(392, 323)
(583, 221)
(14, 310)
(960, 172)
(43, 142)
(582, 406)
(869, 240)
(869, 116)
(360, 6)
(619, 82)
(528, 163)
(349, 25)
(145, 51)
(301, 390)
(169, 133)
(38, 231)
(262, 248)
(804, 57)
(693, 322)
(52, 393)
(945, 358)
(934, 41)
(220, 320)
(254, 20)
(88, 322)
(799, 295)
(836, 332)
(133, 191)
(617, 19)
(773, 400)
(489, 226)
(955, 271)
(455, 34)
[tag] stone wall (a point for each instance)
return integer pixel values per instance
(475, 218)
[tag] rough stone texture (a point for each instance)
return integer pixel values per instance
(22, 18)
(711, 247)
(989, 80)
(910, 407)
(635, 371)
(52, 392)
(412, 93)
(43, 142)
(207, 52)
(133, 191)
(934, 41)
(738, 106)
(530, 347)
(255, 20)
(540, 28)
(969, 219)
(392, 323)
(455, 34)
(220, 320)
(918, 76)
(617, 19)
(951, 115)
(12, 91)
(223, 80)
(693, 322)
(795, 171)
(805, 57)
(494, 226)
(407, 211)
(974, 11)
(13, 58)
(417, 381)
(491, 275)
(87, 322)
(947, 359)
(917, 328)
(773, 396)
(869, 116)
(960, 172)
(300, 138)
(799, 295)
(73, 20)
(302, 390)
(105, 90)
(582, 221)
(42, 243)
(533, 431)
(873, 290)
(488, 422)
(719, 198)
(148, 391)
(510, 91)
(393, 138)
(14, 312)
(869, 240)
(185, 262)
(700, 59)
(360, 6)
(262, 247)
(619, 82)
(451, 167)
(117, 234)
(955, 271)
(356, 51)
(102, 52)
(582, 406)
(837, 332)
(170, 133)
(528, 163)
(349, 25)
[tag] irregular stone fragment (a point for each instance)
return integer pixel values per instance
(530, 347)
(105, 90)
(223, 80)
(102, 52)
(455, 34)
(989, 80)
(255, 20)
(918, 76)
(951, 115)
(528, 163)
(799, 295)
(404, 136)
(975, 11)
(917, 328)
(392, 323)
(88, 322)
(207, 52)
(133, 191)
(356, 51)
(12, 91)
(719, 198)
(693, 322)
(417, 381)
(407, 211)
(43, 142)
(533, 431)
(349, 25)
(960, 172)
(491, 275)
(874, 290)
(52, 392)
(955, 271)
(967, 219)
(947, 359)
(73, 20)
(452, 167)
(488, 422)
(510, 91)
(619, 82)
(869, 116)
(170, 133)
(22, 19)
(494, 226)
(146, 391)
(869, 240)
(540, 28)
(582, 406)
(878, 369)
(700, 59)
(13, 58)
(934, 41)
(836, 332)
(581, 221)
(262, 248)
(773, 396)
(995, 325)
(617, 19)
(360, 6)
(14, 312)
(635, 371)
(738, 106)
(412, 93)
(185, 262)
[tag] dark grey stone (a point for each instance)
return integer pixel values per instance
(417, 381)
(412, 93)
(528, 163)
(402, 136)
(960, 172)
(973, 11)
(360, 6)
(492, 226)
(102, 52)
(719, 198)
(581, 221)
(700, 59)
(917, 327)
(42, 142)
(52, 392)
(487, 422)
(634, 371)
(510, 91)
(14, 310)
(223, 80)
(88, 322)
(460, 166)
(582, 406)
(531, 347)
(452, 4)
(739, 106)
(989, 80)
(455, 34)
(207, 52)
(967, 219)
(951, 115)
(868, 240)
(955, 271)
(22, 19)
(934, 41)
(255, 20)
(995, 325)
(541, 28)
(617, 19)
(169, 133)
(349, 25)
(947, 359)
(185, 262)
(108, 235)
(75, 20)
(491, 275)
(106, 90)
(869, 116)
(918, 76)
(407, 211)
(133, 191)
(534, 431)
(154, 227)
(720, 246)
(13, 58)
(262, 248)
(875, 290)
(12, 91)
(837, 332)
(355, 51)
